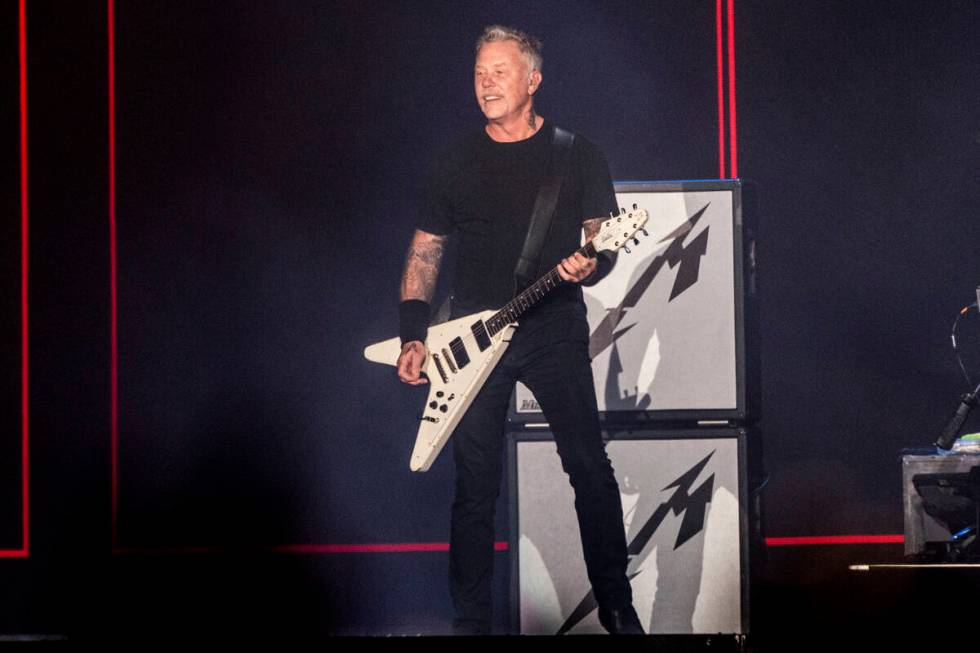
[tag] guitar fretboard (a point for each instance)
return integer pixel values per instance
(530, 296)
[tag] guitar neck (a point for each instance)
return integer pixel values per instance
(531, 295)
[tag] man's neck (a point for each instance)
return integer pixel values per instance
(515, 129)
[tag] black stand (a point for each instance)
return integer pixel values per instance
(948, 436)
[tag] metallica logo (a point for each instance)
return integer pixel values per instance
(692, 504)
(677, 253)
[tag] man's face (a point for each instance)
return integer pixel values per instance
(503, 86)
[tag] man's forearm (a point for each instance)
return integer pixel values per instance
(422, 263)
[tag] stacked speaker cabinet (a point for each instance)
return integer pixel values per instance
(668, 346)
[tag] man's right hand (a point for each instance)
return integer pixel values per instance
(410, 363)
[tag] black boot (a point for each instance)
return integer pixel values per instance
(620, 621)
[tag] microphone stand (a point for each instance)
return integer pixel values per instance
(948, 436)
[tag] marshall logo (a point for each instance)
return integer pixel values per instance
(529, 404)
(692, 504)
(677, 253)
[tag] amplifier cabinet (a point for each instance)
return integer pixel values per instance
(936, 498)
(667, 325)
(684, 504)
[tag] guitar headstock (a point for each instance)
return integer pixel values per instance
(618, 230)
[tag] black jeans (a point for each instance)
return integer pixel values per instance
(549, 354)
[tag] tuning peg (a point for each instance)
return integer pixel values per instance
(645, 232)
(634, 207)
(627, 249)
(636, 241)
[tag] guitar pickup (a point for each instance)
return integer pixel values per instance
(426, 418)
(480, 333)
(442, 372)
(459, 352)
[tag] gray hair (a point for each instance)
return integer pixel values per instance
(530, 46)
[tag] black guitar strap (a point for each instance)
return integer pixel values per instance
(544, 209)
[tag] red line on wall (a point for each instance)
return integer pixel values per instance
(374, 548)
(24, 550)
(436, 547)
(719, 52)
(404, 547)
(834, 539)
(732, 149)
(113, 334)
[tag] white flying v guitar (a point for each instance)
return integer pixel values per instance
(463, 352)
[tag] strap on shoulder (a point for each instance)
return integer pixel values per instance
(544, 209)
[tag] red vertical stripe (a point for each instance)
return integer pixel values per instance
(113, 340)
(25, 505)
(719, 51)
(24, 367)
(732, 149)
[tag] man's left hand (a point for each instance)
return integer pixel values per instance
(576, 268)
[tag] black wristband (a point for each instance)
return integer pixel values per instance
(604, 265)
(413, 320)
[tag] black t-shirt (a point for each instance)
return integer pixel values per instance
(483, 192)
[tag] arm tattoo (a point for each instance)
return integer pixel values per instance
(591, 228)
(422, 266)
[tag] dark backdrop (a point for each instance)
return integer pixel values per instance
(270, 159)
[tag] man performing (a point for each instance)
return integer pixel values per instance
(484, 189)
